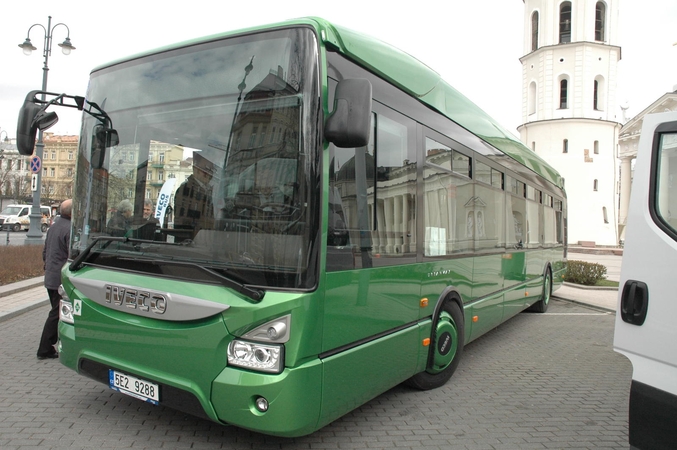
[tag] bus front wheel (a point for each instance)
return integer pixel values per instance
(447, 347)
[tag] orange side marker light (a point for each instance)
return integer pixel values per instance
(426, 342)
(423, 302)
(475, 318)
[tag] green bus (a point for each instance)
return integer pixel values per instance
(329, 219)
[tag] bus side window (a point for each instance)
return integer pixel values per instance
(351, 180)
(395, 205)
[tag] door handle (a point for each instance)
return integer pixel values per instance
(634, 302)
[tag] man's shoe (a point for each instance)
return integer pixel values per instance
(49, 356)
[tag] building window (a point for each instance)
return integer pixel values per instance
(53, 156)
(69, 172)
(70, 156)
(598, 94)
(262, 139)
(565, 146)
(604, 213)
(51, 172)
(563, 94)
(595, 185)
(534, 31)
(162, 158)
(565, 22)
(532, 98)
(252, 138)
(600, 15)
(596, 148)
(160, 175)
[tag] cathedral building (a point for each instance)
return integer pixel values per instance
(569, 107)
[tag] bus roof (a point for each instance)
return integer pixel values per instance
(414, 78)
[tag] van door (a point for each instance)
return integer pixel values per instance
(646, 319)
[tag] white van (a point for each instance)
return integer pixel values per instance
(646, 316)
(16, 217)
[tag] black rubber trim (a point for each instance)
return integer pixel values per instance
(170, 396)
(652, 418)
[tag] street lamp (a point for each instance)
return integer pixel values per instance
(34, 235)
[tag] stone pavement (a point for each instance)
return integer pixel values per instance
(17, 298)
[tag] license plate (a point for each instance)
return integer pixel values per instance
(135, 387)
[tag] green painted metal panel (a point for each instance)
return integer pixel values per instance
(363, 303)
(294, 398)
(353, 377)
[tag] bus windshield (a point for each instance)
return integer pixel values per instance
(214, 165)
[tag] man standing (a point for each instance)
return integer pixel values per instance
(55, 254)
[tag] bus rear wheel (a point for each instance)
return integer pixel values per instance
(447, 348)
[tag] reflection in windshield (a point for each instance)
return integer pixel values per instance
(210, 166)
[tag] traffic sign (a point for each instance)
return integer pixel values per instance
(34, 182)
(36, 164)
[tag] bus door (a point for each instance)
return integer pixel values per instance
(646, 330)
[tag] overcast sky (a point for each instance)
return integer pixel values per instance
(474, 45)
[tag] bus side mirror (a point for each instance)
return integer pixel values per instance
(31, 119)
(103, 138)
(349, 125)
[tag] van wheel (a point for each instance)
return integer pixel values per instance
(16, 227)
(43, 227)
(541, 306)
(446, 346)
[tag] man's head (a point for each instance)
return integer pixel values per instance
(126, 208)
(66, 208)
(147, 208)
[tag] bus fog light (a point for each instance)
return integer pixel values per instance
(66, 312)
(261, 404)
(256, 356)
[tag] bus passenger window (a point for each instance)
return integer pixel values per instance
(450, 204)
(395, 231)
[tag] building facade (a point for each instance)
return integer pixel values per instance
(569, 108)
(627, 144)
(58, 167)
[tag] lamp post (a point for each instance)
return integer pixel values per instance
(34, 235)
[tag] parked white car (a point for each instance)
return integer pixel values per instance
(16, 217)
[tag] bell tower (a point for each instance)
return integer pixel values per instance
(569, 113)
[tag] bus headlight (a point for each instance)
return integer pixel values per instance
(256, 356)
(66, 312)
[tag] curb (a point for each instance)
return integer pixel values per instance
(19, 286)
(590, 288)
(587, 305)
(23, 309)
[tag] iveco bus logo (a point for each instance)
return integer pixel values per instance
(136, 299)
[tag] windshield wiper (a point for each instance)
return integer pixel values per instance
(254, 294)
(80, 259)
(82, 256)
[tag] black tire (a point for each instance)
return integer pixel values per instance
(16, 227)
(541, 306)
(446, 346)
(43, 227)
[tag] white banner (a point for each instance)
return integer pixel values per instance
(163, 200)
